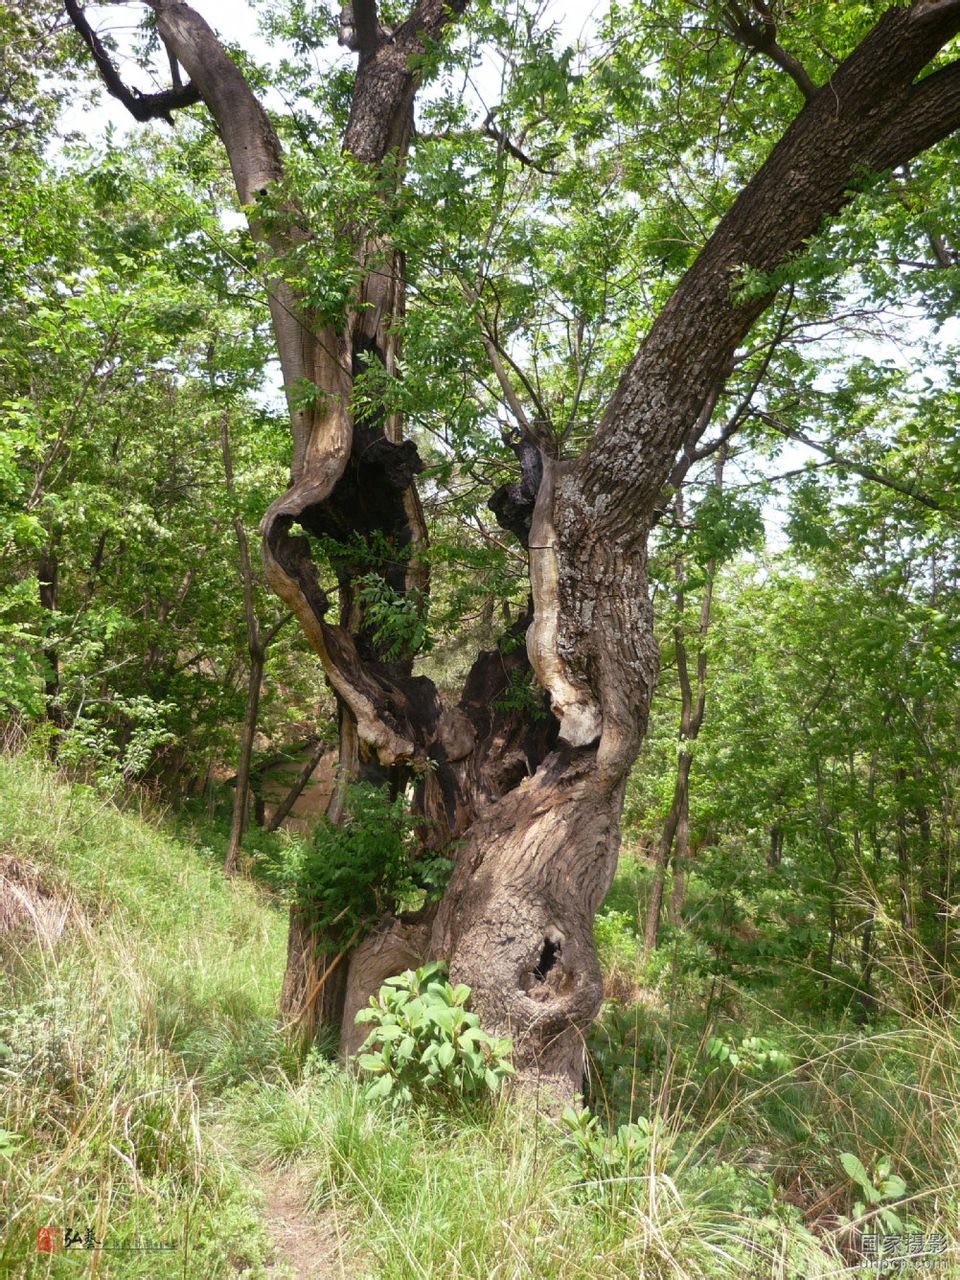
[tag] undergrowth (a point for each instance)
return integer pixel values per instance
(116, 1036)
(145, 1079)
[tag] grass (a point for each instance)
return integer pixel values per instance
(144, 1080)
(467, 1196)
(117, 1036)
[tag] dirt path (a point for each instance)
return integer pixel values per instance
(307, 1247)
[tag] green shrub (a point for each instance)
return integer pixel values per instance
(875, 1190)
(754, 1055)
(354, 872)
(398, 622)
(623, 1045)
(426, 1045)
(616, 937)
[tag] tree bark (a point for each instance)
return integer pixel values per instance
(314, 982)
(47, 574)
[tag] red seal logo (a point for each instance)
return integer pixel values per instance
(49, 1239)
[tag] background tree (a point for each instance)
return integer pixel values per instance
(116, 629)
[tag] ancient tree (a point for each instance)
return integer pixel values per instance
(533, 802)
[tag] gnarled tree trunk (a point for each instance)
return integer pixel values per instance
(534, 802)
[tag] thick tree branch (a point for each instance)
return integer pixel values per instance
(871, 115)
(142, 106)
(932, 10)
(175, 75)
(303, 777)
(272, 632)
(359, 26)
(930, 114)
(691, 453)
(761, 36)
(381, 113)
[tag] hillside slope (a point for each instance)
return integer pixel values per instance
(136, 985)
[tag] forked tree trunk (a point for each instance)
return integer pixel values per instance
(534, 805)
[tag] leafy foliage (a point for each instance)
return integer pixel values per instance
(349, 873)
(396, 621)
(609, 1163)
(877, 1189)
(426, 1045)
(753, 1055)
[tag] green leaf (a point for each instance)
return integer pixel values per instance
(853, 1167)
(893, 1187)
(381, 1088)
(9, 1141)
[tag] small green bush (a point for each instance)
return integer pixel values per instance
(875, 1190)
(754, 1055)
(425, 1043)
(351, 873)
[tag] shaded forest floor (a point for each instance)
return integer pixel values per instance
(148, 1098)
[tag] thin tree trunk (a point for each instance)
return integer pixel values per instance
(904, 878)
(676, 828)
(241, 795)
(257, 644)
(681, 855)
(945, 842)
(833, 883)
(301, 780)
(670, 828)
(47, 577)
(866, 1001)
